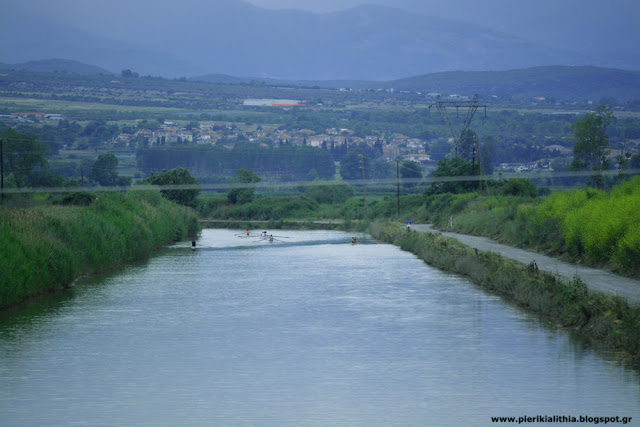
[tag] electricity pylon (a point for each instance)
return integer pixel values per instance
(471, 107)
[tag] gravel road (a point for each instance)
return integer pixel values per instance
(595, 279)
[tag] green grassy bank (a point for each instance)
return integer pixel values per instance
(598, 228)
(47, 247)
(606, 319)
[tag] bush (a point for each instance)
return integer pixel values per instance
(77, 199)
(47, 247)
(518, 187)
(177, 177)
(329, 193)
(599, 226)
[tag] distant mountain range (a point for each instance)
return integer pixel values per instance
(57, 65)
(233, 37)
(561, 82)
(576, 82)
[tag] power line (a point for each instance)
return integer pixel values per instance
(357, 182)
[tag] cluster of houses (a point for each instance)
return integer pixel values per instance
(546, 163)
(227, 135)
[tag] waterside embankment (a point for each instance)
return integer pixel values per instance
(47, 247)
(610, 320)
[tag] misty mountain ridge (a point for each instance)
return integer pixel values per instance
(576, 83)
(57, 65)
(238, 39)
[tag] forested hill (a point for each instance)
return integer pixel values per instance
(57, 66)
(559, 82)
(562, 82)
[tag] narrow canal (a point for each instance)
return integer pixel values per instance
(307, 330)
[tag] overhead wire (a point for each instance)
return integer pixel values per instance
(357, 183)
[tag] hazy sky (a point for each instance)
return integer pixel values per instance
(568, 24)
(588, 27)
(312, 5)
(564, 21)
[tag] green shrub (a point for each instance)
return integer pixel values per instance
(47, 247)
(518, 187)
(330, 193)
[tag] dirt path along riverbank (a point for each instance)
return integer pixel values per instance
(595, 279)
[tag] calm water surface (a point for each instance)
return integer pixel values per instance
(308, 330)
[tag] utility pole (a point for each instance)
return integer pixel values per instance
(473, 161)
(1, 172)
(479, 166)
(398, 180)
(364, 183)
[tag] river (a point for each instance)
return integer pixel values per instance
(307, 330)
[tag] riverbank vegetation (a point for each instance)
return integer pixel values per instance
(605, 318)
(588, 226)
(48, 246)
(600, 228)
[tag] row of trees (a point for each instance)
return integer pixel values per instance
(287, 163)
(357, 164)
(591, 151)
(25, 165)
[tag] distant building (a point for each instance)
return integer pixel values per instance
(273, 103)
(420, 158)
(55, 117)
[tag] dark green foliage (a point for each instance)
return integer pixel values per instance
(467, 148)
(24, 157)
(78, 199)
(382, 169)
(352, 165)
(47, 247)
(518, 187)
(244, 193)
(269, 208)
(592, 142)
(329, 193)
(487, 153)
(179, 177)
(287, 163)
(453, 167)
(411, 171)
(104, 170)
(207, 205)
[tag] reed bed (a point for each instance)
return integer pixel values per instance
(47, 247)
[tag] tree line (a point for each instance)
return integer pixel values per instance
(286, 163)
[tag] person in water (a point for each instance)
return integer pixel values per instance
(271, 238)
(193, 244)
(248, 232)
(354, 240)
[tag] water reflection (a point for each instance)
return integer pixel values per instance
(314, 331)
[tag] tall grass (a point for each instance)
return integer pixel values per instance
(600, 226)
(47, 247)
(592, 226)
